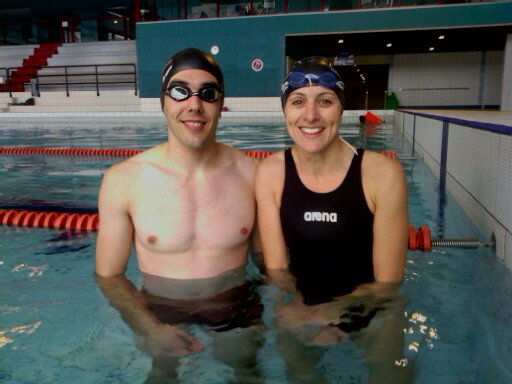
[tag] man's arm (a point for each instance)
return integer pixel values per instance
(112, 252)
(390, 222)
(268, 177)
(157, 338)
(116, 229)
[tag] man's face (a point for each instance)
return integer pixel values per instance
(312, 116)
(192, 122)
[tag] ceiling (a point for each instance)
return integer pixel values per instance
(409, 41)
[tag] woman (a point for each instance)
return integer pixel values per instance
(336, 218)
(334, 215)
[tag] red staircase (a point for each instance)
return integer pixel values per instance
(31, 64)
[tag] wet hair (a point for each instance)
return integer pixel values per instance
(189, 58)
(314, 65)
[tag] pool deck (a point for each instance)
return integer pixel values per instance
(498, 118)
(489, 117)
(157, 116)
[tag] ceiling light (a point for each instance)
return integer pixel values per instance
(389, 45)
(441, 37)
(340, 41)
(431, 49)
(116, 21)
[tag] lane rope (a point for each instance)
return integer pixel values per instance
(102, 152)
(51, 220)
(86, 222)
(116, 152)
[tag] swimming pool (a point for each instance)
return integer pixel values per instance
(56, 326)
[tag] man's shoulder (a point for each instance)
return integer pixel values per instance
(244, 162)
(134, 163)
(129, 169)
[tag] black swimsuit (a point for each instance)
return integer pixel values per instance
(329, 235)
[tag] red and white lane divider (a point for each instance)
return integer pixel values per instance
(90, 223)
(51, 220)
(120, 152)
(106, 152)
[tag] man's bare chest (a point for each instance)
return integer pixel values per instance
(183, 214)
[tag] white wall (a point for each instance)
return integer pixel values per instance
(506, 96)
(493, 76)
(416, 79)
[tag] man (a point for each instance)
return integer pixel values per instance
(175, 202)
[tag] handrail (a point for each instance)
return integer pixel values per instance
(97, 74)
(435, 89)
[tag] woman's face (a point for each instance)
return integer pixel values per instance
(312, 116)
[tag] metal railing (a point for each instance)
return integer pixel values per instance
(100, 77)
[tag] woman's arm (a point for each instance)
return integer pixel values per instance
(390, 221)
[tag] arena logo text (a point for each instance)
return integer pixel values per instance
(321, 216)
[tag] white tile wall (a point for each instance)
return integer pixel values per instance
(508, 250)
(504, 181)
(429, 134)
(500, 234)
(408, 121)
(442, 70)
(473, 159)
(506, 95)
(261, 104)
(482, 219)
(493, 77)
(509, 191)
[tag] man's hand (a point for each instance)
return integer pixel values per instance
(169, 340)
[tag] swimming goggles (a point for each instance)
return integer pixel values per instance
(180, 92)
(298, 79)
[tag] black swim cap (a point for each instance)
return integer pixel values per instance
(189, 58)
(311, 71)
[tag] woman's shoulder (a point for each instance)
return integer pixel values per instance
(381, 171)
(270, 170)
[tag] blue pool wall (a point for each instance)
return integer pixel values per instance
(473, 162)
(244, 39)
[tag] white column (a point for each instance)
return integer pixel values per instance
(506, 91)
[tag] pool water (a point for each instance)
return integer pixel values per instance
(57, 327)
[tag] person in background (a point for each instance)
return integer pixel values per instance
(174, 203)
(332, 218)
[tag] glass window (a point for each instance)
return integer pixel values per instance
(169, 9)
(332, 5)
(303, 5)
(232, 8)
(198, 9)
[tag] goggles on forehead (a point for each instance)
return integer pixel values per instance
(298, 79)
(180, 92)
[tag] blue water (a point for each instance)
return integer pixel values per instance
(57, 327)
